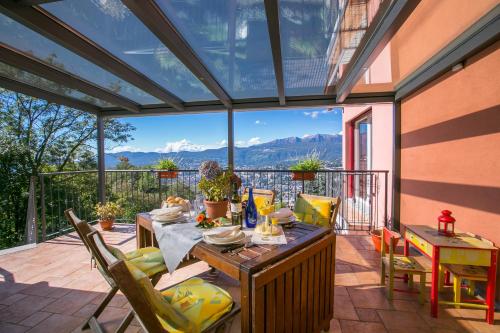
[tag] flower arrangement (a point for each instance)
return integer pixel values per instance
(108, 211)
(215, 184)
(206, 222)
(167, 164)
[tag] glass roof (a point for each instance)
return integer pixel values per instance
(232, 40)
(111, 25)
(44, 84)
(24, 39)
(306, 28)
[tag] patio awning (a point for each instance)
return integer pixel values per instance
(137, 57)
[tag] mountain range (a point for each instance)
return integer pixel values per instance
(279, 153)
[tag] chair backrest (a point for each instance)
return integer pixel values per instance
(327, 208)
(98, 249)
(74, 220)
(387, 239)
(260, 195)
(146, 302)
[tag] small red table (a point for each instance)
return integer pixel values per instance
(462, 249)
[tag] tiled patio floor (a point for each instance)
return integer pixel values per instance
(51, 289)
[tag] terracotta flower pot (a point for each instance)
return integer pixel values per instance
(377, 240)
(167, 174)
(299, 175)
(216, 209)
(107, 224)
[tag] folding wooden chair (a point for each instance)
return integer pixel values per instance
(399, 264)
(190, 306)
(315, 209)
(150, 260)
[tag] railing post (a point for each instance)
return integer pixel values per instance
(386, 174)
(230, 138)
(43, 208)
(31, 225)
(101, 174)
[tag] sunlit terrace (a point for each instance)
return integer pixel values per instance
(397, 233)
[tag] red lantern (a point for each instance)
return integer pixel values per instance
(446, 224)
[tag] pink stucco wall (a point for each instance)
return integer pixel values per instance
(382, 140)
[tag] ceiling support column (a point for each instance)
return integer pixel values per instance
(101, 171)
(230, 138)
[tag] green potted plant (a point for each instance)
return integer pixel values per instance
(215, 185)
(107, 214)
(169, 165)
(306, 169)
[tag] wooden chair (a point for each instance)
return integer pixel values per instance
(152, 266)
(315, 209)
(159, 311)
(262, 194)
(394, 264)
(465, 272)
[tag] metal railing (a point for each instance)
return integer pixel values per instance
(364, 194)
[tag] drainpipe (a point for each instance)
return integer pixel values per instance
(101, 174)
(230, 139)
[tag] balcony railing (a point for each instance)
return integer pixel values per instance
(364, 194)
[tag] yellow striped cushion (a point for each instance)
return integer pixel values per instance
(313, 211)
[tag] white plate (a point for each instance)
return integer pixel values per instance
(233, 240)
(180, 219)
(290, 220)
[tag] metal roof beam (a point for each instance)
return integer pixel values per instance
(152, 16)
(35, 66)
(273, 26)
(390, 16)
(26, 89)
(51, 27)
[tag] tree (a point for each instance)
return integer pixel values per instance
(38, 136)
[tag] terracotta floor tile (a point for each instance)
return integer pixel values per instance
(86, 311)
(373, 298)
(111, 318)
(57, 323)
(12, 328)
(348, 326)
(343, 308)
(368, 315)
(35, 318)
(335, 326)
(71, 302)
(24, 308)
(12, 299)
(402, 320)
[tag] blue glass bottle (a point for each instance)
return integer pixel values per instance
(250, 211)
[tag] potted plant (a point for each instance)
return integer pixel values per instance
(215, 185)
(169, 165)
(377, 240)
(107, 214)
(306, 169)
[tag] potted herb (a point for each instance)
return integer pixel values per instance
(169, 165)
(306, 169)
(107, 214)
(215, 185)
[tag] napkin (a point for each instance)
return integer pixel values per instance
(170, 212)
(282, 214)
(223, 233)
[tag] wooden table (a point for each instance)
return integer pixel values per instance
(287, 288)
(462, 249)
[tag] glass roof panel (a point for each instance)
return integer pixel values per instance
(24, 39)
(111, 25)
(232, 40)
(44, 84)
(306, 28)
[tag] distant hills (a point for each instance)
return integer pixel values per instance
(280, 153)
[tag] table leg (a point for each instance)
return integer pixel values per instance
(490, 289)
(406, 252)
(245, 289)
(435, 281)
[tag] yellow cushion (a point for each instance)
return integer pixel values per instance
(149, 259)
(200, 302)
(190, 306)
(313, 211)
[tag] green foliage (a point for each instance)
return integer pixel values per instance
(108, 211)
(216, 189)
(167, 164)
(312, 163)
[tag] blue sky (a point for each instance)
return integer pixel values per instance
(200, 132)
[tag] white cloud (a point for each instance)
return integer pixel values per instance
(223, 143)
(313, 114)
(121, 149)
(306, 136)
(340, 133)
(181, 145)
(250, 142)
(260, 122)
